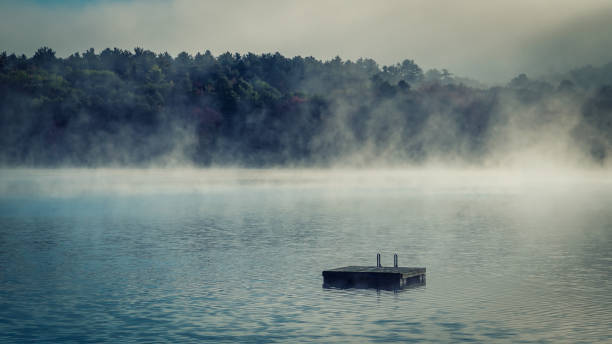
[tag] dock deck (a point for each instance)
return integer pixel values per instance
(392, 278)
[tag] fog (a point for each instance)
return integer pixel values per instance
(123, 110)
(118, 109)
(61, 183)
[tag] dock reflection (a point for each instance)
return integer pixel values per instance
(412, 283)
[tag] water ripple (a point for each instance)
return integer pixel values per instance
(244, 265)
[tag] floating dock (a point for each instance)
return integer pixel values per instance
(387, 278)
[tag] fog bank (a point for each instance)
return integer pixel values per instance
(27, 183)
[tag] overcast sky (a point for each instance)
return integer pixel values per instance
(484, 39)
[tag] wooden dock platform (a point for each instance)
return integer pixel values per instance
(387, 278)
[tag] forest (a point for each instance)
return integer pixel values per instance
(141, 108)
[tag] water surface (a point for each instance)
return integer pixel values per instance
(226, 256)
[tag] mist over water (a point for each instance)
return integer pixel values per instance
(107, 255)
(107, 182)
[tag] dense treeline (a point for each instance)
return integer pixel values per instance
(136, 108)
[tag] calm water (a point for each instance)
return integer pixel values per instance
(214, 256)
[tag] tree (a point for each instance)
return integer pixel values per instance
(44, 58)
(410, 71)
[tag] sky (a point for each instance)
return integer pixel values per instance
(488, 40)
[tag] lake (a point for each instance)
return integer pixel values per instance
(188, 255)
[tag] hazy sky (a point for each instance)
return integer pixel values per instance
(485, 39)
